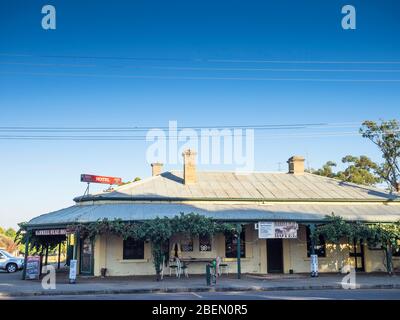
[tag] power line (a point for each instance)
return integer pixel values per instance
(224, 60)
(304, 61)
(166, 137)
(63, 65)
(265, 69)
(174, 68)
(120, 76)
(256, 127)
(99, 57)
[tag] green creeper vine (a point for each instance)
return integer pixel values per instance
(156, 231)
(387, 235)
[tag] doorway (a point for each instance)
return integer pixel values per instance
(357, 253)
(86, 258)
(274, 256)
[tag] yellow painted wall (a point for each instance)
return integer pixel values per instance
(108, 254)
(337, 256)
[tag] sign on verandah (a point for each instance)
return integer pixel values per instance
(278, 229)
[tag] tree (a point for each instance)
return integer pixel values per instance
(326, 170)
(7, 243)
(386, 136)
(360, 170)
(11, 233)
(127, 182)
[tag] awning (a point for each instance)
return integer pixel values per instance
(300, 212)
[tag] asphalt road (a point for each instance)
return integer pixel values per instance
(364, 294)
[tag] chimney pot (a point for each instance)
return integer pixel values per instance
(156, 168)
(296, 165)
(189, 167)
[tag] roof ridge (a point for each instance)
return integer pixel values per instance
(233, 171)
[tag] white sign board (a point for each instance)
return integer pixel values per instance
(280, 230)
(266, 230)
(72, 271)
(51, 232)
(314, 264)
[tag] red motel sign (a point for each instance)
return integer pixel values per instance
(100, 179)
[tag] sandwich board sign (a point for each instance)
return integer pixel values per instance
(314, 265)
(32, 268)
(72, 271)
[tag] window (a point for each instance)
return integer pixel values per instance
(319, 247)
(204, 243)
(133, 249)
(231, 246)
(187, 245)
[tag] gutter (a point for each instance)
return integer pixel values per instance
(178, 199)
(304, 222)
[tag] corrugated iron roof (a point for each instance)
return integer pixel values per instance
(234, 186)
(229, 196)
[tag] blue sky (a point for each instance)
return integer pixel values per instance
(82, 74)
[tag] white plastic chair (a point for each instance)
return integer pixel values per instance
(174, 267)
(183, 269)
(221, 265)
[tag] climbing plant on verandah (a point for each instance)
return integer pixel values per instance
(37, 244)
(386, 235)
(156, 231)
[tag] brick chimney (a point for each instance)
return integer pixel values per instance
(296, 165)
(398, 187)
(156, 168)
(189, 167)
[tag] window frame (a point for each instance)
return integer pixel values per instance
(189, 242)
(229, 239)
(136, 256)
(210, 243)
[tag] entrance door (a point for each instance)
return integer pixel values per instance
(274, 256)
(86, 265)
(358, 254)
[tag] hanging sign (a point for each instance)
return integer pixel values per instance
(51, 232)
(279, 229)
(72, 271)
(100, 179)
(32, 267)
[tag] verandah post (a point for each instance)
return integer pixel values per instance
(389, 259)
(314, 258)
(47, 255)
(238, 228)
(26, 255)
(312, 230)
(75, 253)
(59, 255)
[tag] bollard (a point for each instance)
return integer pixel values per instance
(214, 274)
(208, 275)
